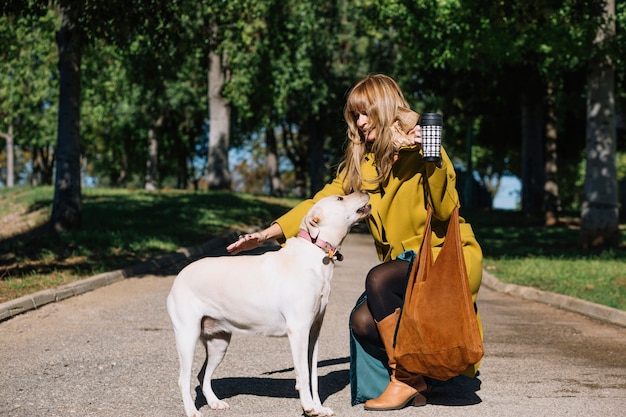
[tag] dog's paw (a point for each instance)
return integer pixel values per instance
(192, 412)
(319, 412)
(218, 405)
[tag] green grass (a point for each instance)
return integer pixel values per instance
(120, 228)
(518, 249)
(14, 199)
(123, 227)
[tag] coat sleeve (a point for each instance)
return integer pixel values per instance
(290, 221)
(442, 187)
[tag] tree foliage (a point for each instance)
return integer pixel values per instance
(29, 90)
(145, 64)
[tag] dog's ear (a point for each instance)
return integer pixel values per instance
(312, 225)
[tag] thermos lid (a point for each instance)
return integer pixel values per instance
(431, 119)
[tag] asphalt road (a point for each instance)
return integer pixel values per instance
(111, 353)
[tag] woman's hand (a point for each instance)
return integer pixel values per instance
(246, 242)
(411, 138)
(415, 135)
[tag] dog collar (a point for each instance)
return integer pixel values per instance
(331, 251)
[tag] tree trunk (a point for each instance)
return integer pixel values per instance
(123, 174)
(600, 215)
(43, 166)
(299, 190)
(295, 148)
(67, 204)
(271, 163)
(316, 155)
(552, 204)
(532, 156)
(35, 176)
(217, 174)
(182, 174)
(8, 137)
(153, 155)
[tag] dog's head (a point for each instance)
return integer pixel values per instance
(332, 217)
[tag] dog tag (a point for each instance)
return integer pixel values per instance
(326, 260)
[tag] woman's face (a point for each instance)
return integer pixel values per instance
(364, 125)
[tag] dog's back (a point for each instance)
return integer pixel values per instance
(253, 294)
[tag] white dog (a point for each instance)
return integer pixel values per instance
(279, 293)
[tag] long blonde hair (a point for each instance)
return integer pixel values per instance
(379, 97)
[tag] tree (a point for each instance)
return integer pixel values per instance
(67, 203)
(28, 91)
(218, 173)
(215, 21)
(288, 71)
(154, 54)
(273, 173)
(8, 137)
(552, 204)
(285, 67)
(600, 214)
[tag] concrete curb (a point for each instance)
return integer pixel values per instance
(33, 301)
(564, 302)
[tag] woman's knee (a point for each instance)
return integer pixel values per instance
(377, 280)
(386, 277)
(363, 324)
(385, 286)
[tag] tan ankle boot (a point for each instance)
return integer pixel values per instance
(397, 395)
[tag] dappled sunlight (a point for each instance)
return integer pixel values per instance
(120, 228)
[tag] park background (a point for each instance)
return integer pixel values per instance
(246, 97)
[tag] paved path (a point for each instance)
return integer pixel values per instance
(110, 353)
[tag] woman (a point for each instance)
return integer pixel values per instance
(383, 157)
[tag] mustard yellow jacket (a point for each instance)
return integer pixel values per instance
(399, 211)
(399, 208)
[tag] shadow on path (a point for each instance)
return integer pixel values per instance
(458, 391)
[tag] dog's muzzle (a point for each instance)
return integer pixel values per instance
(366, 209)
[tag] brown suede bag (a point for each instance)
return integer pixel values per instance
(438, 334)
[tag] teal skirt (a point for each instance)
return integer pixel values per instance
(369, 370)
(369, 375)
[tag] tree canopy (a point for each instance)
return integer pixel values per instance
(503, 78)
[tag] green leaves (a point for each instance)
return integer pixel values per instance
(290, 64)
(29, 73)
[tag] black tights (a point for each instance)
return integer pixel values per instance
(385, 286)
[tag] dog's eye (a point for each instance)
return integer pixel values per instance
(339, 198)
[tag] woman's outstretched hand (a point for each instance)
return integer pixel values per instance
(246, 242)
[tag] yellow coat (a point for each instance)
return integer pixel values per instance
(399, 210)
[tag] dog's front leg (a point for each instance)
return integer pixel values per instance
(313, 358)
(299, 341)
(313, 354)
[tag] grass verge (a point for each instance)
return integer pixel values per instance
(519, 249)
(122, 227)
